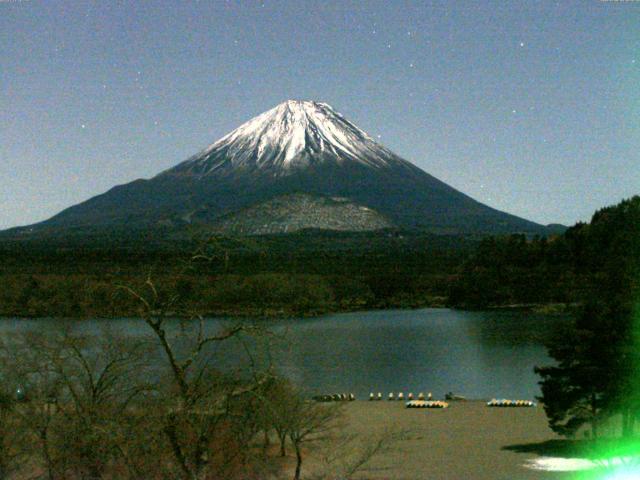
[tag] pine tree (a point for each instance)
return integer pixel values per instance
(598, 357)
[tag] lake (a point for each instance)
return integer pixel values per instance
(475, 354)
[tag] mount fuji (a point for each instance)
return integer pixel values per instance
(299, 165)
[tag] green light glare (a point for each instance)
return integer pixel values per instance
(611, 469)
(624, 457)
(624, 473)
(619, 458)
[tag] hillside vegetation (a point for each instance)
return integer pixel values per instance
(568, 268)
(308, 273)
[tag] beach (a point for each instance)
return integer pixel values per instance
(468, 440)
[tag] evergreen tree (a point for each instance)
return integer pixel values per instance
(598, 358)
(586, 385)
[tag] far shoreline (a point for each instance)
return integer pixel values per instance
(279, 314)
(554, 309)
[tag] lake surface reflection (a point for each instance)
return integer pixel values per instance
(476, 354)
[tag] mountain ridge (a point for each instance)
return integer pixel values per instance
(297, 147)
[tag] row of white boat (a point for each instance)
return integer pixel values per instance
(503, 402)
(422, 401)
(492, 403)
(399, 397)
(427, 404)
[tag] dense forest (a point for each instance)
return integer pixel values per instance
(306, 273)
(567, 268)
(596, 378)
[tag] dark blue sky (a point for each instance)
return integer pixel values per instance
(532, 107)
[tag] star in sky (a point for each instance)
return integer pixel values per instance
(431, 89)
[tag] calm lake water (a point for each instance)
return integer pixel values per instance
(476, 354)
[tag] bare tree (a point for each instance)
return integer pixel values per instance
(204, 426)
(309, 422)
(346, 456)
(100, 380)
(10, 455)
(277, 397)
(78, 393)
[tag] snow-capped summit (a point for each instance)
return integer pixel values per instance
(295, 133)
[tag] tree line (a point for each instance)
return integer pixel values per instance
(517, 270)
(281, 276)
(257, 295)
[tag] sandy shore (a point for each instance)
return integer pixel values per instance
(467, 441)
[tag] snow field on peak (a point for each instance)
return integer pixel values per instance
(281, 137)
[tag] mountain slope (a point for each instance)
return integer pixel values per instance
(298, 147)
(290, 213)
